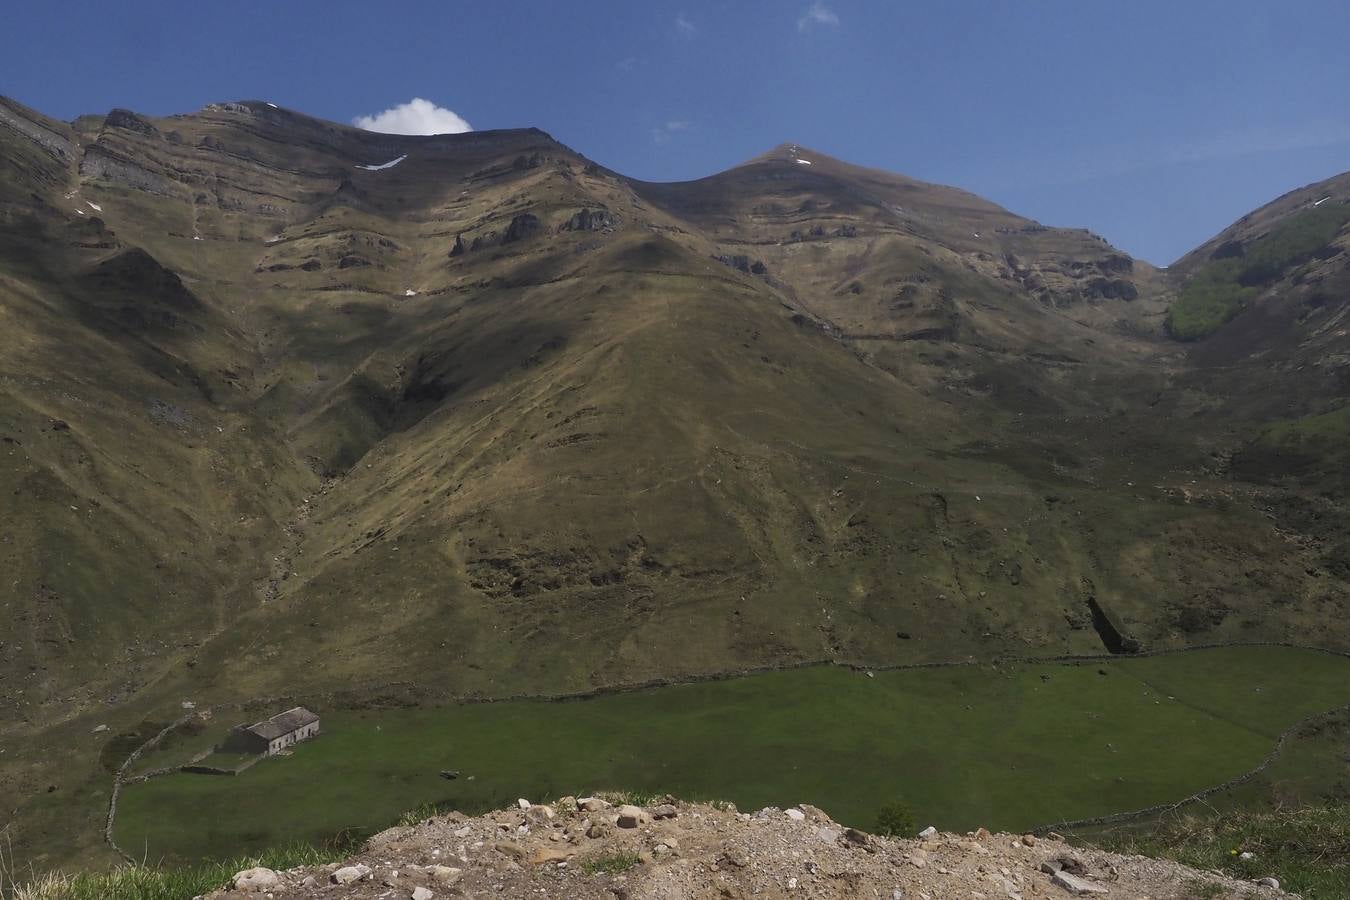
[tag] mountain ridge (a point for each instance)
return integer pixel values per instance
(288, 406)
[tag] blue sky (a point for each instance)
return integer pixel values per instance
(1152, 123)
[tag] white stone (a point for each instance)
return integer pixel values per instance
(928, 832)
(348, 874)
(258, 878)
(421, 893)
(446, 874)
(631, 817)
(795, 815)
(592, 804)
(1075, 885)
(1269, 882)
(523, 803)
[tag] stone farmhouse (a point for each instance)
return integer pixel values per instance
(271, 736)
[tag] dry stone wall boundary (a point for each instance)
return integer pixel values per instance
(1163, 808)
(120, 778)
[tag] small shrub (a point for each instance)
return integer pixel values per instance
(419, 814)
(636, 798)
(895, 820)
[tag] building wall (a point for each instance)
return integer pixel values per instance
(293, 738)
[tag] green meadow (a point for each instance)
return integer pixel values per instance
(1008, 747)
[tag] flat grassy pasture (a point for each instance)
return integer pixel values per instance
(1007, 747)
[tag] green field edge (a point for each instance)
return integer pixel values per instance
(120, 779)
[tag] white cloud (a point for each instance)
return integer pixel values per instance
(817, 14)
(663, 133)
(417, 116)
(684, 26)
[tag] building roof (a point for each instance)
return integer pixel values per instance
(283, 723)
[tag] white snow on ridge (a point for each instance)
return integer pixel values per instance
(410, 293)
(273, 105)
(93, 205)
(1323, 200)
(802, 162)
(388, 165)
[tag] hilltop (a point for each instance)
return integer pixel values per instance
(291, 407)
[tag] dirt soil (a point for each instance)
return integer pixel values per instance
(686, 850)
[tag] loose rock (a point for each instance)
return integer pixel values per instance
(348, 874)
(1075, 885)
(631, 816)
(258, 878)
(446, 874)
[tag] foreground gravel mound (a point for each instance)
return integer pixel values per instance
(592, 848)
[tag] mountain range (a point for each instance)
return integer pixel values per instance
(288, 406)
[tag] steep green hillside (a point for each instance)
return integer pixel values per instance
(1240, 271)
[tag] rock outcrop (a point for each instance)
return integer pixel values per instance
(590, 220)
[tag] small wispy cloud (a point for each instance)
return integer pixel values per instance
(684, 26)
(662, 133)
(817, 14)
(417, 116)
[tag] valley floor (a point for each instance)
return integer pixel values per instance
(1012, 746)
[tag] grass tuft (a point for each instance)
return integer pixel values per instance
(160, 882)
(611, 864)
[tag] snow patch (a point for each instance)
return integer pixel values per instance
(273, 105)
(803, 162)
(94, 206)
(196, 237)
(410, 293)
(388, 165)
(273, 239)
(79, 212)
(1323, 200)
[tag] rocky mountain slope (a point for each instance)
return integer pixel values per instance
(286, 406)
(678, 850)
